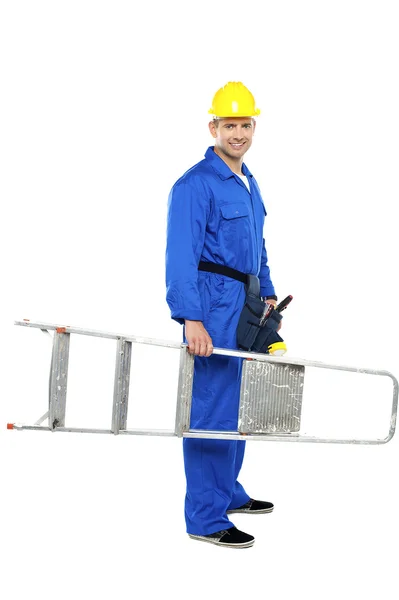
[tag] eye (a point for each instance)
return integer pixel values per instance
(247, 126)
(229, 126)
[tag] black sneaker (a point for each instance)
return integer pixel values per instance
(253, 507)
(230, 538)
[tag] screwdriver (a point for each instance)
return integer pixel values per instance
(267, 311)
(283, 304)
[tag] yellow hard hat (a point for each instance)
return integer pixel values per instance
(234, 100)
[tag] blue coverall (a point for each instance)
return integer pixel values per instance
(212, 217)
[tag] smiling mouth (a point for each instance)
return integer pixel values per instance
(237, 146)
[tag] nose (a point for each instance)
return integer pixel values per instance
(238, 133)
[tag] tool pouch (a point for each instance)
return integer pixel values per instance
(249, 323)
(268, 334)
(251, 335)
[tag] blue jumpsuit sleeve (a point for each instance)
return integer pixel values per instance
(188, 212)
(266, 285)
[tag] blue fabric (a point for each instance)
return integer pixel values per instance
(213, 217)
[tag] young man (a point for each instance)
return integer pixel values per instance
(215, 217)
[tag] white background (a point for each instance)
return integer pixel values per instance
(103, 106)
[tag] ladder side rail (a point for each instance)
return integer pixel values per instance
(269, 437)
(103, 334)
(394, 406)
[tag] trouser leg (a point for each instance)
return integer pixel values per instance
(212, 465)
(239, 496)
(211, 469)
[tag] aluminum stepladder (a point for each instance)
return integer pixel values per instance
(270, 395)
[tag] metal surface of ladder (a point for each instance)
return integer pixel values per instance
(270, 396)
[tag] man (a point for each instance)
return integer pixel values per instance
(215, 217)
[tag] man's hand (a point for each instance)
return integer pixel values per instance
(199, 340)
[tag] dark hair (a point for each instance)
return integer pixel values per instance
(215, 120)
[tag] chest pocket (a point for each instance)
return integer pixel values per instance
(235, 225)
(234, 211)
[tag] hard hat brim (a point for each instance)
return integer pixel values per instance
(230, 116)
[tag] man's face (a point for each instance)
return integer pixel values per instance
(233, 136)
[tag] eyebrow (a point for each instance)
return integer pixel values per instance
(233, 123)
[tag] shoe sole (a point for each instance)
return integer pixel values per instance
(201, 538)
(248, 511)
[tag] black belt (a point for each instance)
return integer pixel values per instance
(222, 270)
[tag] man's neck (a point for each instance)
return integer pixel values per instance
(235, 164)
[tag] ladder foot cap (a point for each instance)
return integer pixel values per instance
(10, 425)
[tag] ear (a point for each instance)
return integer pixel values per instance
(212, 129)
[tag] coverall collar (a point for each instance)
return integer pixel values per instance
(221, 168)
